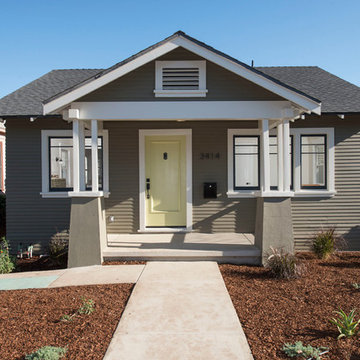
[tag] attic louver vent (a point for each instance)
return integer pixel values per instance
(183, 78)
(180, 78)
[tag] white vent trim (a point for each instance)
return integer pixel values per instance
(180, 78)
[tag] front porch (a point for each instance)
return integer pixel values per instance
(221, 247)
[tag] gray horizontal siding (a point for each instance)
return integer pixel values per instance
(209, 216)
(139, 84)
(343, 210)
(29, 217)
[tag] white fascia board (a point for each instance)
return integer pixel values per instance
(296, 98)
(77, 93)
(181, 110)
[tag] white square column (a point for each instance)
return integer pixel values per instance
(94, 157)
(265, 156)
(78, 156)
(286, 157)
(280, 157)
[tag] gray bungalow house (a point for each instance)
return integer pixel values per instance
(182, 152)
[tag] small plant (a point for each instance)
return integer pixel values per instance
(7, 263)
(326, 242)
(307, 352)
(47, 353)
(346, 324)
(59, 243)
(87, 307)
(356, 286)
(283, 265)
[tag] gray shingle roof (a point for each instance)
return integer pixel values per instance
(28, 99)
(336, 94)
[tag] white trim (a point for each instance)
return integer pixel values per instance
(286, 156)
(82, 156)
(280, 162)
(265, 156)
(297, 192)
(185, 110)
(180, 93)
(293, 96)
(142, 206)
(304, 102)
(67, 194)
(77, 93)
(94, 157)
(198, 64)
(76, 154)
(45, 186)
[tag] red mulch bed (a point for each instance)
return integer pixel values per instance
(273, 312)
(29, 320)
(37, 263)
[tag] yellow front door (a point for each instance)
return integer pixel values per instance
(165, 181)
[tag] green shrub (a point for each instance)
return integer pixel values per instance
(326, 242)
(59, 243)
(346, 324)
(7, 263)
(307, 352)
(47, 353)
(356, 286)
(87, 307)
(283, 265)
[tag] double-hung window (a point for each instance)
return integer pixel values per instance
(311, 169)
(57, 162)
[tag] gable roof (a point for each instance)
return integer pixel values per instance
(336, 94)
(180, 39)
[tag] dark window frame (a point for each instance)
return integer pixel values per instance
(234, 163)
(51, 189)
(322, 187)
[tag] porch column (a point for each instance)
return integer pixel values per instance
(280, 157)
(78, 156)
(94, 157)
(286, 160)
(265, 156)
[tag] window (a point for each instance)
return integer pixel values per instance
(61, 156)
(313, 161)
(274, 162)
(180, 78)
(57, 162)
(246, 162)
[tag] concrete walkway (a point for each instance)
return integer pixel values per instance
(179, 310)
(87, 275)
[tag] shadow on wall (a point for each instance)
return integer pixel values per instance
(352, 238)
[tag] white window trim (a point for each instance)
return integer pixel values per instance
(160, 92)
(46, 193)
(297, 191)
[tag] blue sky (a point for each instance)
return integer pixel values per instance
(40, 35)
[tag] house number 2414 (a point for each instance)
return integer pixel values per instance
(209, 156)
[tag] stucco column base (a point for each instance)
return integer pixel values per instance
(273, 227)
(87, 231)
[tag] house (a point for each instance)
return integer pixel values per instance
(184, 145)
(2, 156)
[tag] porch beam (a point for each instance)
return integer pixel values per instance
(286, 155)
(94, 156)
(265, 156)
(280, 157)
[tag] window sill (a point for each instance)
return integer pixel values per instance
(272, 194)
(180, 93)
(70, 194)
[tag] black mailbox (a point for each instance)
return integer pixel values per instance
(210, 190)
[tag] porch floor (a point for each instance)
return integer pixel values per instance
(221, 247)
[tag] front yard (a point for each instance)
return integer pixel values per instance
(31, 319)
(273, 312)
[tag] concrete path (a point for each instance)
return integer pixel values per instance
(179, 310)
(88, 275)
